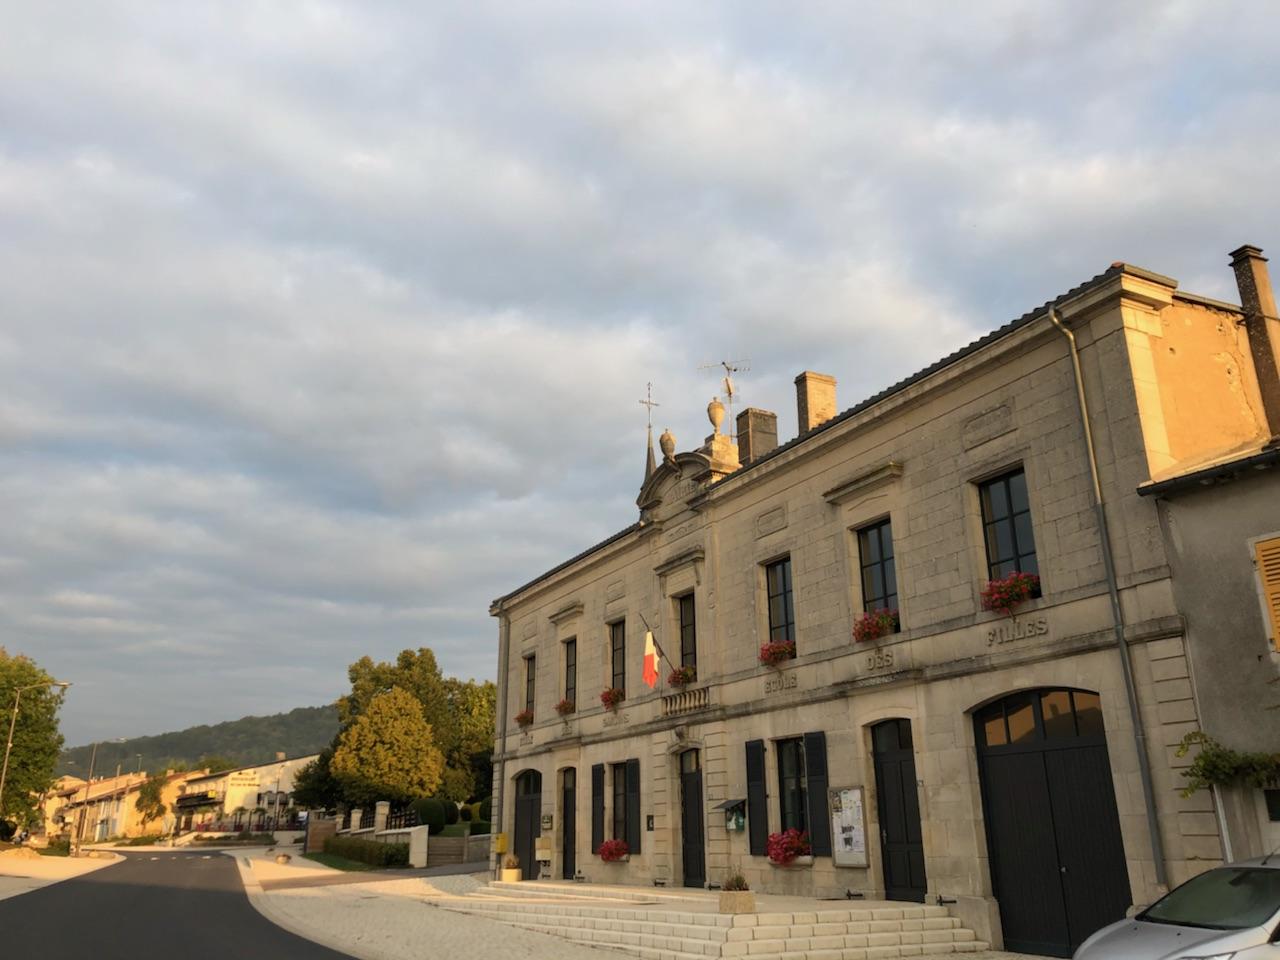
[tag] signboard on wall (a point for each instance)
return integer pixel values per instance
(848, 828)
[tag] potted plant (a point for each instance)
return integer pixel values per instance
(683, 676)
(611, 697)
(785, 847)
(736, 895)
(875, 624)
(1005, 594)
(613, 851)
(777, 652)
(566, 707)
(510, 868)
(524, 718)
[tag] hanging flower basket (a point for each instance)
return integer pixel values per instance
(874, 625)
(1004, 595)
(611, 851)
(784, 847)
(777, 651)
(524, 718)
(611, 697)
(682, 676)
(566, 707)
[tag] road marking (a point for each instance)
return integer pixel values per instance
(206, 857)
(155, 858)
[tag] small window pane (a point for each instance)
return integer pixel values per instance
(1022, 723)
(1027, 564)
(689, 761)
(1088, 714)
(998, 500)
(993, 728)
(885, 737)
(1018, 492)
(870, 545)
(1058, 718)
(904, 734)
(886, 541)
(1004, 540)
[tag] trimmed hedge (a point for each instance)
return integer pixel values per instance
(464, 812)
(369, 851)
(430, 814)
(450, 812)
(480, 826)
(486, 809)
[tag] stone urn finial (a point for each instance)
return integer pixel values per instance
(715, 413)
(668, 444)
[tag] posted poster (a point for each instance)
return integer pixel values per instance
(848, 828)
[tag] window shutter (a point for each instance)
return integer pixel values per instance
(757, 800)
(815, 770)
(633, 806)
(1268, 560)
(597, 806)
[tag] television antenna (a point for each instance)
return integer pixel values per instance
(730, 367)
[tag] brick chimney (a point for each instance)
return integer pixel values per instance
(1262, 325)
(815, 399)
(757, 434)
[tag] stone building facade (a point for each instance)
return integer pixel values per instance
(1022, 766)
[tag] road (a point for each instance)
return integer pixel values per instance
(187, 905)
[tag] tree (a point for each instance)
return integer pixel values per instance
(36, 740)
(388, 752)
(460, 712)
(215, 763)
(314, 785)
(149, 803)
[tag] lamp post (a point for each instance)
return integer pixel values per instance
(13, 722)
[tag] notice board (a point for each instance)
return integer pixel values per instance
(848, 828)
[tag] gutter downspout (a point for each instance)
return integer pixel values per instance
(500, 734)
(1117, 613)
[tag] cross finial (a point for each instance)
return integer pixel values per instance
(649, 403)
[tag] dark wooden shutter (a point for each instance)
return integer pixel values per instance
(597, 806)
(757, 800)
(633, 806)
(815, 772)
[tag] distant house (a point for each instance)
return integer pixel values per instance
(107, 807)
(247, 798)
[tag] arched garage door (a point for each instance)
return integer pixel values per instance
(1057, 859)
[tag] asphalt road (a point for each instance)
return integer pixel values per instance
(189, 906)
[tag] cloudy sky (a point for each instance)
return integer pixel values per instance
(322, 324)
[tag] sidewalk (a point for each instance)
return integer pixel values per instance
(373, 916)
(19, 875)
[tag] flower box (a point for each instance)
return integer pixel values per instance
(875, 624)
(1004, 595)
(611, 697)
(524, 718)
(613, 851)
(566, 707)
(682, 676)
(788, 846)
(777, 651)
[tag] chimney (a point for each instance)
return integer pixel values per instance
(815, 399)
(279, 755)
(757, 434)
(1262, 326)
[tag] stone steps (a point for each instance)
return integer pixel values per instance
(631, 921)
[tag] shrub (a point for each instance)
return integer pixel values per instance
(734, 880)
(777, 651)
(58, 848)
(144, 841)
(612, 850)
(369, 851)
(430, 814)
(465, 812)
(480, 826)
(786, 846)
(486, 809)
(450, 811)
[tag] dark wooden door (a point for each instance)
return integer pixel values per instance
(898, 803)
(569, 823)
(1053, 831)
(528, 821)
(691, 835)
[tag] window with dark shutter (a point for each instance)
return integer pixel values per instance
(633, 806)
(618, 654)
(597, 806)
(815, 757)
(793, 803)
(757, 800)
(618, 828)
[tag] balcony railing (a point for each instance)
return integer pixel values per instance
(686, 701)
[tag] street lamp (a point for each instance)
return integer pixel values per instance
(13, 722)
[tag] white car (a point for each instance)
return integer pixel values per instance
(1228, 913)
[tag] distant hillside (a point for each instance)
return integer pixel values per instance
(247, 741)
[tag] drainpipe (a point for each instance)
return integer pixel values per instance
(1117, 613)
(500, 735)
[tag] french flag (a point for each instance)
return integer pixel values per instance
(650, 659)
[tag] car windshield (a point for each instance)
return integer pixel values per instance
(1229, 898)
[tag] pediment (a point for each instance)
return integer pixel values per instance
(673, 483)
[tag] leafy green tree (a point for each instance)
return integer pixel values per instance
(314, 785)
(216, 763)
(388, 752)
(36, 740)
(149, 803)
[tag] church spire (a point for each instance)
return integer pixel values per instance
(649, 403)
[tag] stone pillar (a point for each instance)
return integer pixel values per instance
(353, 822)
(757, 434)
(815, 399)
(1262, 326)
(381, 810)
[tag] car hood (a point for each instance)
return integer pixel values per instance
(1138, 940)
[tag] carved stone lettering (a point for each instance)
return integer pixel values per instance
(987, 426)
(874, 660)
(786, 681)
(1017, 630)
(615, 719)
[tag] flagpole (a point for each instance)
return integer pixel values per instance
(662, 653)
